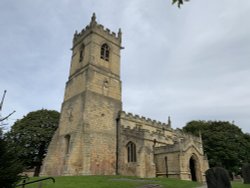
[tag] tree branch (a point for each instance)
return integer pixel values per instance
(7, 116)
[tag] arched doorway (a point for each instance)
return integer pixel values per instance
(192, 166)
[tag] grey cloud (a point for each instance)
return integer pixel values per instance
(190, 63)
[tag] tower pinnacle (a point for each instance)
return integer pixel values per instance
(120, 34)
(169, 121)
(93, 20)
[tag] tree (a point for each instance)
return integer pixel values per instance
(1, 106)
(224, 143)
(31, 135)
(10, 166)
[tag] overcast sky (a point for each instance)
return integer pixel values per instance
(190, 63)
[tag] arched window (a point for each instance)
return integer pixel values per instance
(81, 53)
(105, 52)
(131, 149)
(67, 141)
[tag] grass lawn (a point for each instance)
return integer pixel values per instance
(117, 182)
(110, 182)
(240, 185)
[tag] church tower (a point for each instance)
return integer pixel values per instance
(85, 141)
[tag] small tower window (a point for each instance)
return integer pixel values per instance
(105, 52)
(131, 149)
(81, 53)
(67, 140)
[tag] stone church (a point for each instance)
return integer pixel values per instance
(96, 137)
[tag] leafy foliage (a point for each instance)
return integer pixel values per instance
(224, 143)
(30, 137)
(179, 2)
(10, 166)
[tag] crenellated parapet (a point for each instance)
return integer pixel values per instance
(181, 143)
(186, 141)
(141, 120)
(145, 129)
(186, 136)
(99, 29)
(144, 134)
(167, 149)
(179, 147)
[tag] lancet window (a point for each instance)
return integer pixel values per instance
(131, 150)
(67, 140)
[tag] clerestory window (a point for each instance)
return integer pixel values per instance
(131, 150)
(105, 52)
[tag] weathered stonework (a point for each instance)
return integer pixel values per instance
(95, 137)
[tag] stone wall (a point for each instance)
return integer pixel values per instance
(161, 151)
(174, 160)
(145, 134)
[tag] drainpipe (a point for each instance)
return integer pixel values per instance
(117, 144)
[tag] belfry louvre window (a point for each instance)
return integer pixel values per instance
(131, 149)
(105, 52)
(81, 53)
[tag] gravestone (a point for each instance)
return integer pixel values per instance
(246, 173)
(217, 177)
